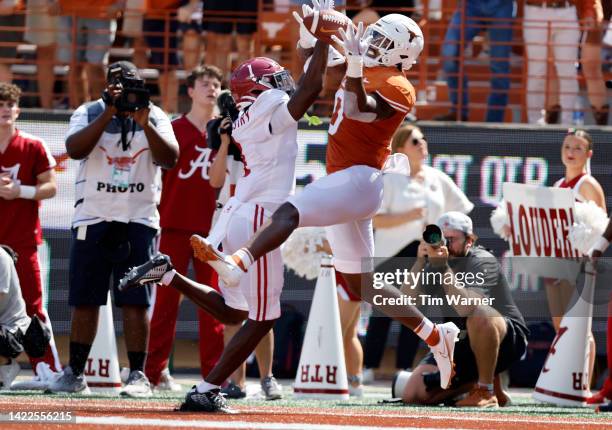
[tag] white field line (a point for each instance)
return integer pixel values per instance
(123, 421)
(460, 416)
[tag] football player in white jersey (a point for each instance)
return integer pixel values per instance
(266, 131)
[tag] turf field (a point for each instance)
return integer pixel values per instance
(89, 412)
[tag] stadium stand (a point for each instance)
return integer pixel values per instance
(275, 37)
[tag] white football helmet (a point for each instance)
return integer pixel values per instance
(396, 41)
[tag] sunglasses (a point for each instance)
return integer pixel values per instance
(415, 141)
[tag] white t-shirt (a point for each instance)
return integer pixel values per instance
(113, 184)
(12, 307)
(267, 135)
(437, 194)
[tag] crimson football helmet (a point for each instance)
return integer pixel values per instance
(257, 75)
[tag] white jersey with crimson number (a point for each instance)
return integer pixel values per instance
(267, 136)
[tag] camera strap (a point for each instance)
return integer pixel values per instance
(125, 144)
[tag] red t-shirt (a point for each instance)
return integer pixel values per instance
(188, 201)
(24, 159)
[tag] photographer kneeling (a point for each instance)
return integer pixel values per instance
(476, 297)
(18, 333)
(122, 141)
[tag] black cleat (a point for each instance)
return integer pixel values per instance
(147, 273)
(233, 391)
(210, 401)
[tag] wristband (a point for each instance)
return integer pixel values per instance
(27, 192)
(354, 67)
(600, 245)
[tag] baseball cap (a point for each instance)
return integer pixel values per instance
(127, 69)
(456, 221)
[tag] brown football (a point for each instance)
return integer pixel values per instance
(325, 24)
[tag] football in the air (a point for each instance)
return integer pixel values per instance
(326, 23)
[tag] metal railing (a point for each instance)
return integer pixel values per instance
(276, 35)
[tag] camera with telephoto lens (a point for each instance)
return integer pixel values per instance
(227, 107)
(433, 236)
(134, 95)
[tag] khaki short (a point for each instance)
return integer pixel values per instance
(40, 27)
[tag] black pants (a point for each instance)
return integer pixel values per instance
(378, 327)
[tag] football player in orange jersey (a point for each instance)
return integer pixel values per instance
(369, 107)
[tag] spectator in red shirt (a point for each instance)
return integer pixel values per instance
(187, 205)
(26, 177)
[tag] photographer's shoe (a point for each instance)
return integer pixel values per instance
(444, 351)
(149, 272)
(137, 385)
(225, 266)
(8, 373)
(68, 382)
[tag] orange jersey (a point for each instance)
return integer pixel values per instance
(353, 142)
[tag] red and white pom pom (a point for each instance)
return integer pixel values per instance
(500, 222)
(303, 250)
(590, 223)
(326, 23)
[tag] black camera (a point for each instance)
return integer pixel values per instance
(134, 94)
(227, 107)
(433, 236)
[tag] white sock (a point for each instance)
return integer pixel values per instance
(424, 329)
(204, 386)
(246, 259)
(168, 277)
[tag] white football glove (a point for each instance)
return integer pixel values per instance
(353, 41)
(319, 6)
(355, 46)
(307, 40)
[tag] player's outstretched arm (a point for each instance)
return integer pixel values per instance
(359, 105)
(310, 84)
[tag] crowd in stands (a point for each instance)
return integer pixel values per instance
(558, 41)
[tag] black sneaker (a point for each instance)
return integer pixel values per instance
(233, 391)
(210, 401)
(149, 272)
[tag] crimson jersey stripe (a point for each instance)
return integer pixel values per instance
(265, 273)
(258, 264)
